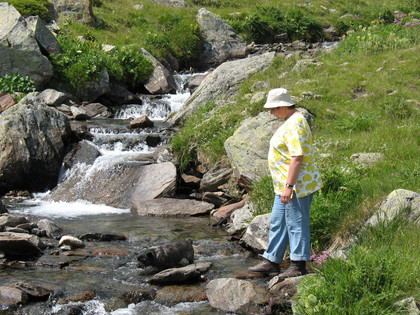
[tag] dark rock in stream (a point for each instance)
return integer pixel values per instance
(103, 237)
(20, 245)
(172, 207)
(185, 274)
(83, 152)
(174, 294)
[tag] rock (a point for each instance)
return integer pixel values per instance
(160, 81)
(45, 38)
(6, 101)
(409, 305)
(33, 138)
(109, 48)
(163, 154)
(240, 220)
(11, 296)
(118, 95)
(50, 227)
(237, 296)
(172, 3)
(78, 113)
(171, 207)
(181, 275)
(367, 158)
(83, 152)
(222, 85)
(12, 220)
(118, 185)
(19, 50)
(19, 245)
(51, 97)
(71, 241)
(196, 81)
(190, 180)
(247, 149)
(217, 199)
(228, 210)
(33, 291)
(82, 296)
(141, 122)
(97, 110)
(94, 89)
(174, 294)
(138, 295)
(221, 42)
(282, 294)
(215, 177)
(258, 97)
(71, 10)
(256, 235)
(397, 202)
(32, 142)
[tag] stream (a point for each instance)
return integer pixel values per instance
(109, 269)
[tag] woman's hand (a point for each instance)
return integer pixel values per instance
(286, 195)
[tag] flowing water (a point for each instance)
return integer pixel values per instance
(95, 269)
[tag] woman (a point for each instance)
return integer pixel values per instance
(295, 179)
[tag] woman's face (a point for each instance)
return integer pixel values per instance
(279, 112)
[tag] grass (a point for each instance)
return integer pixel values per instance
(381, 270)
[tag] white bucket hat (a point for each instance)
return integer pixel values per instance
(278, 97)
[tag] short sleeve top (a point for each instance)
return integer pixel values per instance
(293, 138)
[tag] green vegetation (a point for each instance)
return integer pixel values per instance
(381, 269)
(32, 7)
(16, 83)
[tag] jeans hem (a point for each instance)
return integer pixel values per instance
(271, 258)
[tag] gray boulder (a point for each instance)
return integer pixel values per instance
(181, 275)
(240, 220)
(117, 185)
(71, 10)
(12, 220)
(237, 296)
(397, 201)
(94, 89)
(256, 235)
(51, 97)
(222, 85)
(170, 207)
(247, 149)
(12, 297)
(367, 158)
(19, 50)
(20, 245)
(97, 110)
(215, 177)
(83, 152)
(160, 81)
(45, 38)
(33, 138)
(49, 227)
(221, 42)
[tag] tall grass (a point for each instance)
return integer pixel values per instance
(381, 270)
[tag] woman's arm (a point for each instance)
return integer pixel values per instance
(292, 176)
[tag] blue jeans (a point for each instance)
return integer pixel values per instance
(290, 223)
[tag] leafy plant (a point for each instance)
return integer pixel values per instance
(16, 83)
(32, 7)
(262, 195)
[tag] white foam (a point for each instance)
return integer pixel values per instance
(63, 209)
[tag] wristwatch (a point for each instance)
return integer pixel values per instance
(288, 185)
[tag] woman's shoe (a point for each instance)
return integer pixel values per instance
(266, 267)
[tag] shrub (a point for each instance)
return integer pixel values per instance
(262, 195)
(32, 7)
(16, 83)
(300, 25)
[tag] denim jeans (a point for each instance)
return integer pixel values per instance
(290, 224)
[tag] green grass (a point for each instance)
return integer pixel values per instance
(381, 269)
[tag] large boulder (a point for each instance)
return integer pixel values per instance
(181, 275)
(222, 85)
(247, 149)
(221, 42)
(170, 207)
(172, 3)
(45, 38)
(237, 296)
(94, 89)
(33, 138)
(160, 81)
(400, 201)
(20, 245)
(117, 185)
(19, 50)
(257, 234)
(70, 10)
